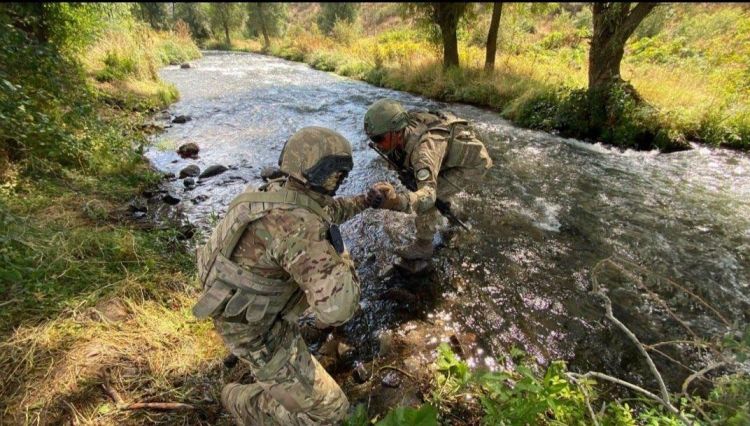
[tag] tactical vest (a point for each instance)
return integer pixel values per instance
(465, 147)
(236, 293)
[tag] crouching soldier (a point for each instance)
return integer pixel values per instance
(276, 253)
(439, 152)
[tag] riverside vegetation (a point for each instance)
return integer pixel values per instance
(96, 307)
(688, 63)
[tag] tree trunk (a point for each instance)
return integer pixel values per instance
(266, 40)
(447, 15)
(226, 33)
(489, 61)
(614, 23)
(450, 47)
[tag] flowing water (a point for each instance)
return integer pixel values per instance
(548, 211)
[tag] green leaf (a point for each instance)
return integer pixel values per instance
(407, 416)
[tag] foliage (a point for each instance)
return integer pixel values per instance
(275, 15)
(153, 13)
(330, 13)
(195, 15)
(226, 18)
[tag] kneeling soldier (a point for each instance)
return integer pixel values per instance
(275, 253)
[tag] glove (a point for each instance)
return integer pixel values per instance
(385, 196)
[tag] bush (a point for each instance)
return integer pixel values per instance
(330, 13)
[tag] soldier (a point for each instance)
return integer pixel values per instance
(276, 252)
(439, 150)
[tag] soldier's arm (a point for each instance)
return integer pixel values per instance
(426, 162)
(328, 279)
(345, 208)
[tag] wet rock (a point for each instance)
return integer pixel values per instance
(186, 65)
(268, 173)
(188, 150)
(385, 343)
(230, 361)
(214, 170)
(399, 295)
(190, 171)
(138, 205)
(413, 267)
(168, 176)
(170, 198)
(344, 351)
(181, 119)
(199, 199)
(189, 183)
(360, 373)
(163, 115)
(391, 380)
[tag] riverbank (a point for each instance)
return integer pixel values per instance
(693, 88)
(96, 291)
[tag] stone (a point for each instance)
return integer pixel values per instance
(181, 119)
(186, 65)
(138, 205)
(168, 176)
(360, 373)
(188, 150)
(391, 380)
(189, 183)
(413, 267)
(190, 171)
(170, 198)
(214, 170)
(344, 351)
(199, 199)
(268, 173)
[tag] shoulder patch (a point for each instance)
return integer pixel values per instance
(423, 174)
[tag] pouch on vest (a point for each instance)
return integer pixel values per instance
(465, 149)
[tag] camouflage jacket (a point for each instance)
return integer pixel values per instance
(292, 244)
(433, 146)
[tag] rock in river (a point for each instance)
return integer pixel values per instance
(182, 119)
(190, 171)
(189, 183)
(170, 198)
(188, 150)
(185, 65)
(214, 170)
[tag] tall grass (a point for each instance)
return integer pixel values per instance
(687, 61)
(89, 296)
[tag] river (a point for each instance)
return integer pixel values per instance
(548, 211)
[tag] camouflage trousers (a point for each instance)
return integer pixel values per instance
(292, 388)
(428, 222)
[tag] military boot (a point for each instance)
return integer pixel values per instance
(421, 249)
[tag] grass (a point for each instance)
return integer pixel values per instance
(89, 295)
(687, 61)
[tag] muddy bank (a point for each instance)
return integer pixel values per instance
(547, 213)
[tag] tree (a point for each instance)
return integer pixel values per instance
(266, 19)
(226, 17)
(614, 23)
(446, 17)
(154, 13)
(332, 12)
(195, 16)
(489, 61)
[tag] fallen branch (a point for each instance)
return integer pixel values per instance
(158, 406)
(700, 373)
(122, 405)
(586, 398)
(390, 367)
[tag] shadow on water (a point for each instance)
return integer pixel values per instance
(548, 211)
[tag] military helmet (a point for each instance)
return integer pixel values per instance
(313, 153)
(385, 115)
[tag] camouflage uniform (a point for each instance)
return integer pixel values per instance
(259, 280)
(438, 148)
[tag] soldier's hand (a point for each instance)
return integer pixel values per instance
(374, 198)
(390, 199)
